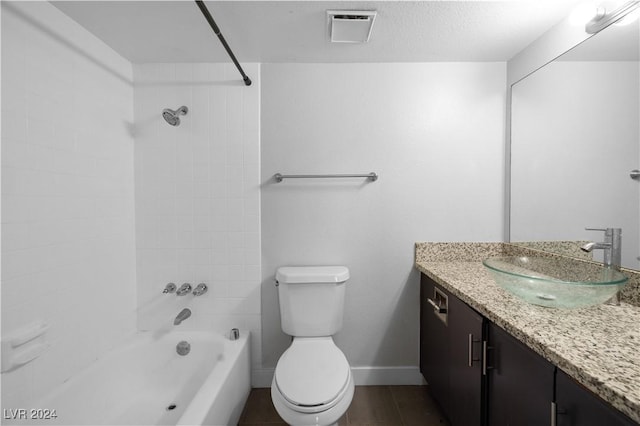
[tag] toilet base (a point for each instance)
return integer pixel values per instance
(328, 417)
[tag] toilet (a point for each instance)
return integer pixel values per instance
(312, 383)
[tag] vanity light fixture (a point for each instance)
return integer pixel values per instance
(585, 12)
(603, 19)
(629, 18)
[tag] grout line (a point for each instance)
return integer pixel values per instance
(395, 403)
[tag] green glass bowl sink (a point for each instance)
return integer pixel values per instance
(554, 282)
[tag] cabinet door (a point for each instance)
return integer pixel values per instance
(465, 369)
(434, 346)
(577, 406)
(519, 383)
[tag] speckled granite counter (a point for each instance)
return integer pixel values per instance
(598, 346)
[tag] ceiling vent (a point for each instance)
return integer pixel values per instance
(350, 26)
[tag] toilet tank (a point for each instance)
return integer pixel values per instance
(311, 299)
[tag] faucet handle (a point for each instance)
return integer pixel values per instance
(200, 289)
(596, 229)
(184, 289)
(609, 232)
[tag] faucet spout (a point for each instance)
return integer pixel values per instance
(612, 248)
(183, 315)
(589, 247)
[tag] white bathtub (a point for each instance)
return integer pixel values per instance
(139, 383)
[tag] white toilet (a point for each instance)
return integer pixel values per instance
(312, 384)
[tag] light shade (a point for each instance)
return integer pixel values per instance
(350, 26)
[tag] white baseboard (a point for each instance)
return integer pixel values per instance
(262, 377)
(372, 376)
(363, 376)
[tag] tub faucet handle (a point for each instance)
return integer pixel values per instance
(169, 288)
(184, 289)
(200, 289)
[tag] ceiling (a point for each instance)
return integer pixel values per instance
(297, 31)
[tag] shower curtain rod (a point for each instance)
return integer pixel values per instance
(216, 30)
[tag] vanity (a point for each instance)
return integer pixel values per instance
(492, 359)
(572, 160)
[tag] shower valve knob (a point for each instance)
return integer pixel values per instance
(200, 289)
(169, 288)
(184, 289)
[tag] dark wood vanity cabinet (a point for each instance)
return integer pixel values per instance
(519, 382)
(434, 345)
(481, 375)
(450, 348)
(577, 406)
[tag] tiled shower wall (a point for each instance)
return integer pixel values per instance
(68, 250)
(198, 196)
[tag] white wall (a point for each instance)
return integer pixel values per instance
(68, 253)
(563, 36)
(198, 196)
(574, 141)
(435, 135)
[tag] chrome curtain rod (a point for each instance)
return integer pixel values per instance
(216, 30)
(371, 176)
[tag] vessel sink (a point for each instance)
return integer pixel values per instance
(554, 282)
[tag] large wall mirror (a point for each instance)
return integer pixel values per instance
(575, 139)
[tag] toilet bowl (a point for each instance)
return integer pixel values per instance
(312, 383)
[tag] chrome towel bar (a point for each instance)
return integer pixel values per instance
(371, 176)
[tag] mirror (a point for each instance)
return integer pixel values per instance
(575, 139)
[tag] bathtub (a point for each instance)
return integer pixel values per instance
(146, 382)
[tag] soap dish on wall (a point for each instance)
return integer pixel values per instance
(23, 345)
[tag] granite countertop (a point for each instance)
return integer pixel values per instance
(598, 346)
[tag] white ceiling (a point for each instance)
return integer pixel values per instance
(296, 31)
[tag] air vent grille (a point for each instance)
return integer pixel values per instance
(350, 26)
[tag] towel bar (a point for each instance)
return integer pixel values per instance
(371, 176)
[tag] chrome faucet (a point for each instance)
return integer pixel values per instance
(200, 289)
(183, 315)
(169, 288)
(612, 247)
(184, 289)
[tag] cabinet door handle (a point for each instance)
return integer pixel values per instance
(471, 342)
(485, 349)
(439, 309)
(553, 414)
(484, 358)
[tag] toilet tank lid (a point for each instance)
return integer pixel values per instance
(312, 274)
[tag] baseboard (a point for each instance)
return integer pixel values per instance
(363, 376)
(372, 376)
(262, 377)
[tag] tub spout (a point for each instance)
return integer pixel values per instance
(183, 315)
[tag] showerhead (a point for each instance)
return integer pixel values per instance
(173, 117)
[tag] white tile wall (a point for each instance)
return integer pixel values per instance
(198, 196)
(68, 250)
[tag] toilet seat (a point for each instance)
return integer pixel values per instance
(312, 375)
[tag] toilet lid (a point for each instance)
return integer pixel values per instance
(312, 372)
